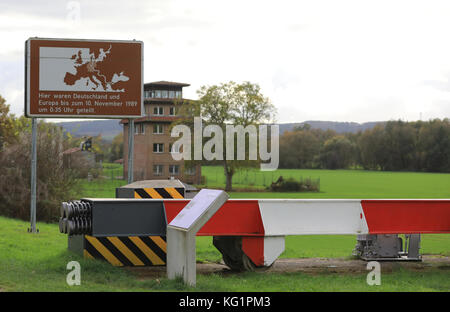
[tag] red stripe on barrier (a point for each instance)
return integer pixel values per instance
(407, 216)
(253, 247)
(173, 207)
(235, 217)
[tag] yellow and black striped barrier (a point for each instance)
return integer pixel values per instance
(156, 189)
(159, 192)
(127, 251)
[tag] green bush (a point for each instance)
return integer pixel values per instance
(54, 182)
(292, 185)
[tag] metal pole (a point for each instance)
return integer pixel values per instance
(32, 229)
(130, 149)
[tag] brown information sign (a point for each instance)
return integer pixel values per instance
(83, 78)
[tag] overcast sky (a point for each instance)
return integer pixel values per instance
(316, 60)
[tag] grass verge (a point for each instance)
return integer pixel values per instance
(37, 262)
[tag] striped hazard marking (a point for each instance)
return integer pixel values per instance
(159, 192)
(127, 251)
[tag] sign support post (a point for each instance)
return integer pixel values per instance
(130, 150)
(32, 228)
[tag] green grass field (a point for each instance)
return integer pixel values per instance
(338, 183)
(333, 183)
(38, 262)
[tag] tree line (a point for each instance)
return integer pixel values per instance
(392, 146)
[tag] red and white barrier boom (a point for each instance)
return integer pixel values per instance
(253, 229)
(250, 232)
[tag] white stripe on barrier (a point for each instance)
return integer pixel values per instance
(312, 216)
(273, 248)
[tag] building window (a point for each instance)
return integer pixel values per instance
(158, 110)
(174, 169)
(157, 93)
(139, 128)
(178, 94)
(157, 170)
(189, 170)
(164, 94)
(172, 111)
(171, 94)
(158, 148)
(158, 129)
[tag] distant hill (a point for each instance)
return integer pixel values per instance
(107, 128)
(339, 127)
(110, 128)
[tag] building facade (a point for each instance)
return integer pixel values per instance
(152, 140)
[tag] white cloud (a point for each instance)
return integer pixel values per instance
(334, 60)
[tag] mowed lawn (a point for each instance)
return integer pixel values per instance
(37, 262)
(31, 262)
(333, 183)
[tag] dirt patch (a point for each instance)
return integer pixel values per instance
(160, 271)
(444, 267)
(308, 265)
(318, 265)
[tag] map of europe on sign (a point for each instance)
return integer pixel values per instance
(79, 78)
(79, 69)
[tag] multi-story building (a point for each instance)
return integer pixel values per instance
(152, 140)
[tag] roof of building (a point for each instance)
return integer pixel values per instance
(152, 118)
(162, 100)
(167, 83)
